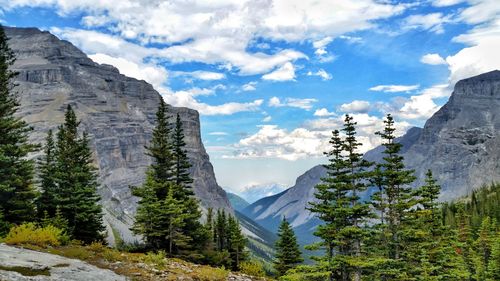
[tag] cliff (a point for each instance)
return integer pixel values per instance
(118, 112)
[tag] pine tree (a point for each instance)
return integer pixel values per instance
(181, 162)
(76, 181)
(173, 213)
(182, 178)
(398, 194)
(330, 193)
(288, 254)
(236, 242)
(160, 148)
(356, 181)
(17, 193)
(493, 272)
(47, 202)
(220, 230)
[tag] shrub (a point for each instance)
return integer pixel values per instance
(210, 274)
(30, 234)
(97, 247)
(112, 255)
(158, 259)
(252, 268)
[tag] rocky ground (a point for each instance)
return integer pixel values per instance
(20, 264)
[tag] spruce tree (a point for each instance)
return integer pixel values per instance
(288, 254)
(76, 181)
(47, 202)
(181, 162)
(356, 181)
(236, 242)
(398, 193)
(17, 193)
(331, 198)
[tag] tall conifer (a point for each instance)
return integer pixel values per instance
(17, 193)
(288, 254)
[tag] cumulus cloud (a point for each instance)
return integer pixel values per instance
(306, 104)
(219, 32)
(356, 106)
(285, 72)
(394, 88)
(250, 86)
(323, 112)
(321, 73)
(310, 140)
(432, 59)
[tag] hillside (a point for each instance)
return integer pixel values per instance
(236, 201)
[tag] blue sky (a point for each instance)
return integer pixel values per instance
(272, 78)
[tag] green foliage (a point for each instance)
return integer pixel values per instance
(30, 234)
(168, 215)
(252, 268)
(69, 183)
(17, 193)
(288, 254)
(345, 229)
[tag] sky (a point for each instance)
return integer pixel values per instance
(272, 78)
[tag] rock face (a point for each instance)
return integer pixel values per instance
(118, 112)
(460, 143)
(59, 268)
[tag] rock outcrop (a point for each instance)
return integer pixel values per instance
(460, 143)
(118, 112)
(17, 264)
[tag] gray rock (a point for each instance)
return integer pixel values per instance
(60, 268)
(118, 112)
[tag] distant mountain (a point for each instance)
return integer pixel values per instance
(236, 201)
(260, 240)
(255, 192)
(460, 143)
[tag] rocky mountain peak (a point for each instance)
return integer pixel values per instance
(117, 111)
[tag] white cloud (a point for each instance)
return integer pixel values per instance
(202, 75)
(218, 134)
(321, 73)
(356, 106)
(267, 119)
(394, 88)
(422, 106)
(186, 98)
(445, 3)
(311, 140)
(351, 39)
(292, 102)
(480, 11)
(250, 86)
(153, 74)
(480, 56)
(285, 72)
(432, 59)
(323, 112)
(219, 32)
(433, 22)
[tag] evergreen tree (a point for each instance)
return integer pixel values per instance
(331, 198)
(172, 211)
(220, 230)
(76, 181)
(493, 272)
(47, 202)
(356, 181)
(236, 242)
(288, 254)
(17, 193)
(160, 148)
(181, 162)
(398, 194)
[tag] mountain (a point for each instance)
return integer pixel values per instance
(236, 201)
(117, 111)
(253, 193)
(460, 143)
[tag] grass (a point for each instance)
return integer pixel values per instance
(26, 271)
